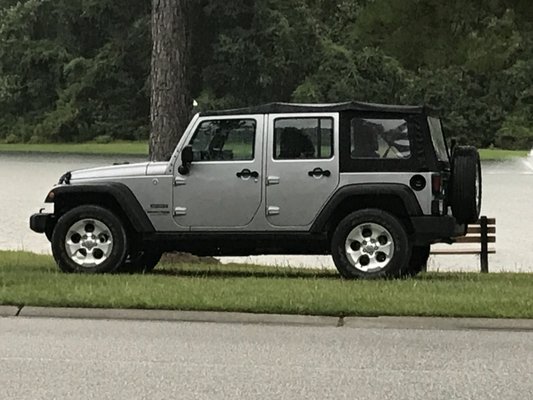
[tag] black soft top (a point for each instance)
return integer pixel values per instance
(281, 108)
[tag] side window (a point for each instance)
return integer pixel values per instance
(224, 140)
(379, 138)
(303, 138)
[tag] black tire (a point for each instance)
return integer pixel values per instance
(143, 262)
(351, 264)
(465, 195)
(418, 260)
(111, 236)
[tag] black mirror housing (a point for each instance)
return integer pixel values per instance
(186, 155)
(186, 160)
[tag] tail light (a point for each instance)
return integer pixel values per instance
(436, 184)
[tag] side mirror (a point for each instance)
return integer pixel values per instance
(186, 160)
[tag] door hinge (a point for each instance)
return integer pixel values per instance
(179, 181)
(179, 211)
(273, 211)
(272, 180)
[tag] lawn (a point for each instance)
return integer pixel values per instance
(500, 155)
(115, 148)
(29, 279)
(140, 148)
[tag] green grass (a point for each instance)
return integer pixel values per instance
(501, 155)
(29, 279)
(115, 148)
(140, 148)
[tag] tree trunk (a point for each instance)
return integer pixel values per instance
(171, 101)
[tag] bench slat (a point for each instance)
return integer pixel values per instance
(460, 251)
(477, 229)
(475, 239)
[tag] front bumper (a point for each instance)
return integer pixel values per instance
(41, 222)
(435, 229)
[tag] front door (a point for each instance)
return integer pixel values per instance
(223, 186)
(302, 167)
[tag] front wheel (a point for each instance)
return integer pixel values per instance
(89, 239)
(370, 243)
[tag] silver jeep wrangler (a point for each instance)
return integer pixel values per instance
(372, 185)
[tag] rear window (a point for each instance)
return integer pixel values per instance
(379, 138)
(437, 137)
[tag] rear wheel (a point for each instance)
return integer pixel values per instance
(141, 262)
(89, 239)
(370, 243)
(418, 260)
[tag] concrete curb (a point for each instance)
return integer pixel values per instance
(420, 323)
(8, 311)
(178, 316)
(434, 323)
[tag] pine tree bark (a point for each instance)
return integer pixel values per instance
(171, 102)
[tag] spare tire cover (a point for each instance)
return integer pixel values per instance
(465, 193)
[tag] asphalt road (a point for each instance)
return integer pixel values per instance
(90, 359)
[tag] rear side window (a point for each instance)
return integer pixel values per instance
(224, 140)
(303, 138)
(437, 136)
(379, 139)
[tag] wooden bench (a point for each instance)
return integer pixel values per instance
(476, 241)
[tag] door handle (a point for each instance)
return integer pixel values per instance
(318, 172)
(246, 173)
(272, 180)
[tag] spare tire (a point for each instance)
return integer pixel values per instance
(465, 193)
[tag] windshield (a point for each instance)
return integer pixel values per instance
(437, 137)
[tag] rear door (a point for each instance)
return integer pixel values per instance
(302, 167)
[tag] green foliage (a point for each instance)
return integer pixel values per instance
(73, 70)
(368, 75)
(261, 52)
(517, 130)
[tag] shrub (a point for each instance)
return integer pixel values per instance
(12, 138)
(103, 139)
(36, 139)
